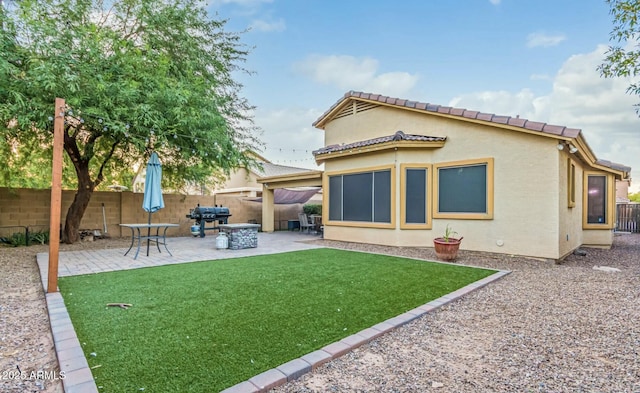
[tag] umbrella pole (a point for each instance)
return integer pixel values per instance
(148, 234)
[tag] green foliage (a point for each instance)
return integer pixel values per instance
(198, 327)
(623, 59)
(635, 197)
(17, 239)
(41, 237)
(312, 208)
(20, 238)
(448, 232)
(137, 76)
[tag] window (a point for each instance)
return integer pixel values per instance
(364, 196)
(596, 199)
(415, 196)
(464, 189)
(571, 185)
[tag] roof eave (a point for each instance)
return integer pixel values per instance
(392, 145)
(311, 174)
(337, 107)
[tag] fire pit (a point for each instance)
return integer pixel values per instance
(207, 214)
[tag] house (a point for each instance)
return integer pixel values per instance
(622, 190)
(243, 181)
(397, 172)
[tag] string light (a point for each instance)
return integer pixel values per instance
(149, 135)
(291, 150)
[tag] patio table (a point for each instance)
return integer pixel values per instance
(160, 237)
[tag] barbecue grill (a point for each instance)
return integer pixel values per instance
(207, 214)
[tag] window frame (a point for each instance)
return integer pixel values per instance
(571, 183)
(609, 202)
(488, 214)
(362, 224)
(428, 196)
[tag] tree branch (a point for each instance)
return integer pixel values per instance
(100, 177)
(71, 147)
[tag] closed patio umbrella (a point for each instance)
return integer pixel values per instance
(153, 201)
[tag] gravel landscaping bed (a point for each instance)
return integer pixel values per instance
(546, 327)
(27, 355)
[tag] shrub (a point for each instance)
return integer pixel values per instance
(16, 239)
(312, 209)
(20, 239)
(41, 237)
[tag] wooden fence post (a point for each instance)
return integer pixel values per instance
(56, 196)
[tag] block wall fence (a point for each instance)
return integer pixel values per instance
(31, 207)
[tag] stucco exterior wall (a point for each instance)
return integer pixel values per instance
(241, 178)
(240, 182)
(570, 217)
(622, 189)
(526, 181)
(598, 238)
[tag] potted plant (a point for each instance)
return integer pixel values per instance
(447, 246)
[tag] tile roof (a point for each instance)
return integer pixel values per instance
(269, 169)
(525, 124)
(459, 112)
(614, 165)
(398, 136)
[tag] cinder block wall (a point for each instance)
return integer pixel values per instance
(29, 207)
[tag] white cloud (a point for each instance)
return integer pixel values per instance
(544, 40)
(580, 98)
(289, 136)
(522, 103)
(268, 26)
(540, 77)
(352, 73)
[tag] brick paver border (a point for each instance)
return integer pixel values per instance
(300, 366)
(79, 379)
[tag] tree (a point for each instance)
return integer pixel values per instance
(623, 60)
(137, 76)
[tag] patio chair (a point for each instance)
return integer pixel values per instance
(304, 223)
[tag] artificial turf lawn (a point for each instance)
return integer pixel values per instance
(204, 326)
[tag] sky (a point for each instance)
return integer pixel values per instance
(534, 58)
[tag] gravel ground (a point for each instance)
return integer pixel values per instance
(544, 328)
(26, 344)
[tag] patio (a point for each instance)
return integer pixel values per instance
(184, 249)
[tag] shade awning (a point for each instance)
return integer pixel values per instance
(283, 196)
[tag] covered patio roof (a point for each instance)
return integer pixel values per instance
(270, 183)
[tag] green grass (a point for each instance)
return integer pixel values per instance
(204, 326)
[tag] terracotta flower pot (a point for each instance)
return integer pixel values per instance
(446, 250)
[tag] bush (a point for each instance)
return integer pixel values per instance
(20, 239)
(16, 239)
(312, 209)
(41, 237)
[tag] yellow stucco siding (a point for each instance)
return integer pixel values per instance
(374, 123)
(526, 188)
(570, 214)
(242, 178)
(598, 238)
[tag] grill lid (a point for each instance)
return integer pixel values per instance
(219, 211)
